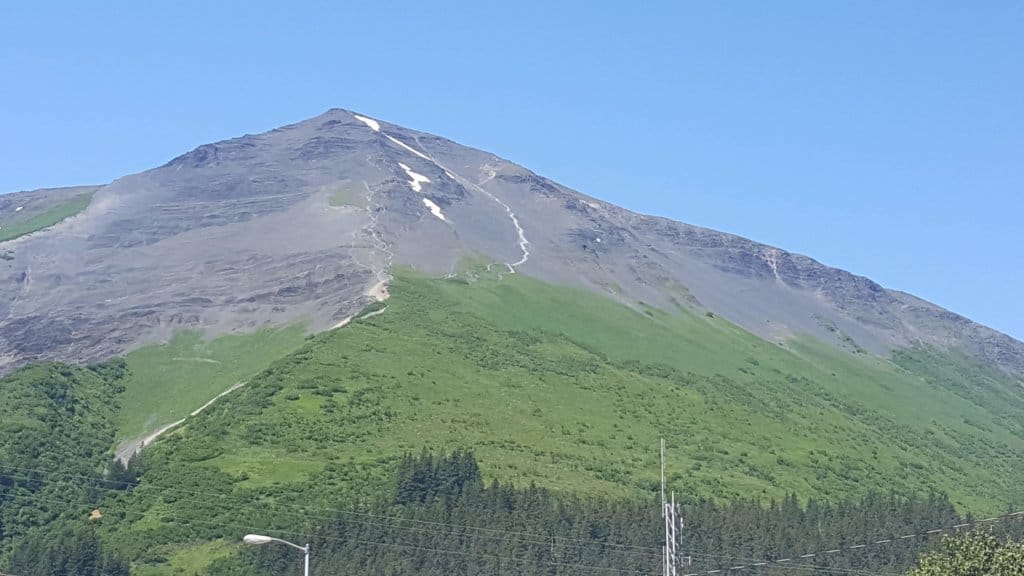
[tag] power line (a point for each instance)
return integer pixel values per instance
(751, 565)
(798, 566)
(496, 534)
(327, 509)
(314, 537)
(547, 538)
(858, 547)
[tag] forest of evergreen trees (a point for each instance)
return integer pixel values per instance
(442, 519)
(77, 551)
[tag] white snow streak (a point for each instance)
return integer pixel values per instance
(415, 179)
(19, 208)
(368, 121)
(409, 148)
(434, 209)
(523, 242)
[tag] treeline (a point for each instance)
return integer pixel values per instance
(441, 519)
(74, 551)
(56, 429)
(437, 517)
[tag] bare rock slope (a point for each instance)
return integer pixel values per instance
(305, 222)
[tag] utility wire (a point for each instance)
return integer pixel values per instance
(513, 539)
(546, 539)
(314, 537)
(870, 542)
(493, 533)
(786, 562)
(304, 510)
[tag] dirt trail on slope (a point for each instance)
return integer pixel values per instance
(127, 449)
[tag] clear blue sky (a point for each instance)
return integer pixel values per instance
(886, 138)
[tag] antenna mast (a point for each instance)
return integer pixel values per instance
(663, 477)
(670, 513)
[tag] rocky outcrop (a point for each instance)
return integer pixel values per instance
(302, 222)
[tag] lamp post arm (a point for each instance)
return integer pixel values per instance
(296, 546)
(259, 539)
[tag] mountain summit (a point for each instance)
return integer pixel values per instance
(306, 223)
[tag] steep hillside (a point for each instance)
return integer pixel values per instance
(304, 223)
(555, 386)
(300, 310)
(560, 388)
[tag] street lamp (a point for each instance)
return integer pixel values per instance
(258, 540)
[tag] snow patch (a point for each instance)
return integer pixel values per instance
(434, 209)
(368, 121)
(523, 242)
(19, 208)
(415, 178)
(409, 148)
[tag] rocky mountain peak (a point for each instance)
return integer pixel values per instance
(306, 221)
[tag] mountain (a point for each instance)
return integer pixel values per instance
(282, 320)
(307, 222)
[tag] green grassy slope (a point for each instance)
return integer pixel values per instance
(46, 219)
(572, 391)
(168, 381)
(548, 385)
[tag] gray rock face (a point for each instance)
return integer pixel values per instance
(304, 223)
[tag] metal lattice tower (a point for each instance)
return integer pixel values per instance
(670, 514)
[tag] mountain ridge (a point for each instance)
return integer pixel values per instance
(306, 219)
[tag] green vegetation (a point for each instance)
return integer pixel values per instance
(974, 555)
(53, 418)
(189, 561)
(561, 391)
(46, 219)
(76, 550)
(436, 515)
(571, 391)
(168, 381)
(346, 194)
(973, 382)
